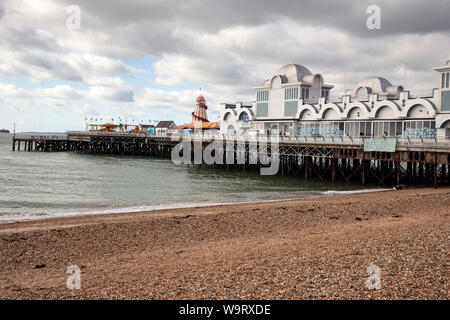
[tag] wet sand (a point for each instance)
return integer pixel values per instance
(299, 249)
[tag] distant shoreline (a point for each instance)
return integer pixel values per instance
(36, 132)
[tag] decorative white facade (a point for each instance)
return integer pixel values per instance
(296, 102)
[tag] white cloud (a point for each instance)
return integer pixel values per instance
(61, 92)
(57, 94)
(11, 91)
(111, 94)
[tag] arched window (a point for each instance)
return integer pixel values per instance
(448, 75)
(227, 116)
(244, 117)
(231, 129)
(443, 81)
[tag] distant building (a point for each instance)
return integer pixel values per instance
(296, 102)
(165, 127)
(147, 128)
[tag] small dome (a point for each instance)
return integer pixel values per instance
(375, 84)
(200, 99)
(293, 72)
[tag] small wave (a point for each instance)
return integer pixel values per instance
(336, 192)
(32, 216)
(17, 217)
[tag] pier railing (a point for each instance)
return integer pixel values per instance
(416, 142)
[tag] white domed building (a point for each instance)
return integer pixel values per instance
(295, 101)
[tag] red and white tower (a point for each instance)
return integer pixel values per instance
(199, 115)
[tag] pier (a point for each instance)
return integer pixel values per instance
(423, 161)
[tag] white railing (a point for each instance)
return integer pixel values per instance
(436, 142)
(43, 137)
(116, 134)
(430, 142)
(421, 93)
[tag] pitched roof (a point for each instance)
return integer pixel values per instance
(165, 124)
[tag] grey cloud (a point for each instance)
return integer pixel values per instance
(27, 38)
(167, 27)
(55, 66)
(413, 16)
(38, 50)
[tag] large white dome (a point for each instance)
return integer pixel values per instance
(293, 72)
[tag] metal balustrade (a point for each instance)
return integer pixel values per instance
(416, 142)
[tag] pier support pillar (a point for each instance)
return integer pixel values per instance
(306, 167)
(333, 170)
(363, 172)
(434, 175)
(397, 172)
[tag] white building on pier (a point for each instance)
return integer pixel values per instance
(296, 102)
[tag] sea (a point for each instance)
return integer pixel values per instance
(39, 185)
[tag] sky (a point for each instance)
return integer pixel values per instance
(148, 60)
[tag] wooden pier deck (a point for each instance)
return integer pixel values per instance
(414, 162)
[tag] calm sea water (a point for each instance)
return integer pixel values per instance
(36, 185)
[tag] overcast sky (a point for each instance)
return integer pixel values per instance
(147, 59)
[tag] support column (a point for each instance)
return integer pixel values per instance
(397, 172)
(434, 174)
(363, 172)
(306, 167)
(333, 169)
